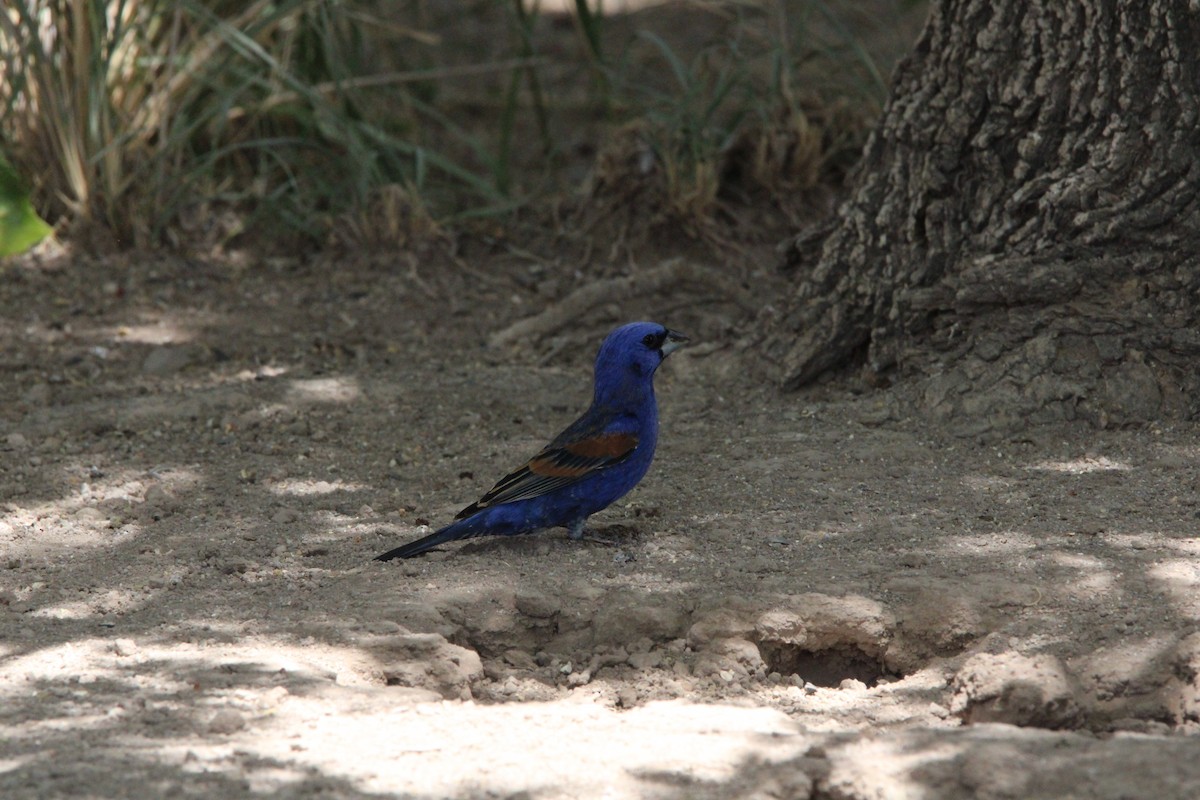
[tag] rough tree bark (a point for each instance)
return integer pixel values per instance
(1023, 236)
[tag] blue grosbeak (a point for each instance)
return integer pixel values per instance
(597, 459)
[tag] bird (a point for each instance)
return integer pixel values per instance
(595, 461)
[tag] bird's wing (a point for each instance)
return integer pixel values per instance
(566, 460)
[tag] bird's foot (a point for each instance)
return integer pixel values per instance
(578, 533)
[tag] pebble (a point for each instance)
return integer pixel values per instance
(645, 661)
(166, 360)
(226, 721)
(90, 514)
(37, 395)
(17, 441)
(537, 605)
(160, 499)
(125, 647)
(285, 515)
(520, 659)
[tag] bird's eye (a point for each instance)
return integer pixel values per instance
(653, 340)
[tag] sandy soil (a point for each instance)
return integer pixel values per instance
(810, 596)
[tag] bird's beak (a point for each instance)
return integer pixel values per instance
(675, 340)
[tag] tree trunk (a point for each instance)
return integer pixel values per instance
(1023, 237)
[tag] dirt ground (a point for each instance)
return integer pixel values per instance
(810, 596)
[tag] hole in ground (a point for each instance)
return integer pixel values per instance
(827, 667)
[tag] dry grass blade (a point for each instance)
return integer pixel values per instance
(132, 112)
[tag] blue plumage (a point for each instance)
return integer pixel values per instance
(595, 461)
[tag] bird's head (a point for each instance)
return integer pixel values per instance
(633, 352)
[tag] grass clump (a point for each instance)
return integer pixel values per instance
(138, 117)
(750, 102)
(170, 121)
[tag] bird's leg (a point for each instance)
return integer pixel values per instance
(576, 532)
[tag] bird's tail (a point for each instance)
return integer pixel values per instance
(460, 529)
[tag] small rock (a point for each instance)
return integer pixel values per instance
(810, 688)
(625, 616)
(159, 501)
(91, 514)
(125, 647)
(226, 721)
(520, 659)
(274, 697)
(285, 515)
(167, 360)
(581, 678)
(17, 441)
(37, 395)
(533, 604)
(645, 661)
(716, 624)
(852, 684)
(1017, 689)
(428, 661)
